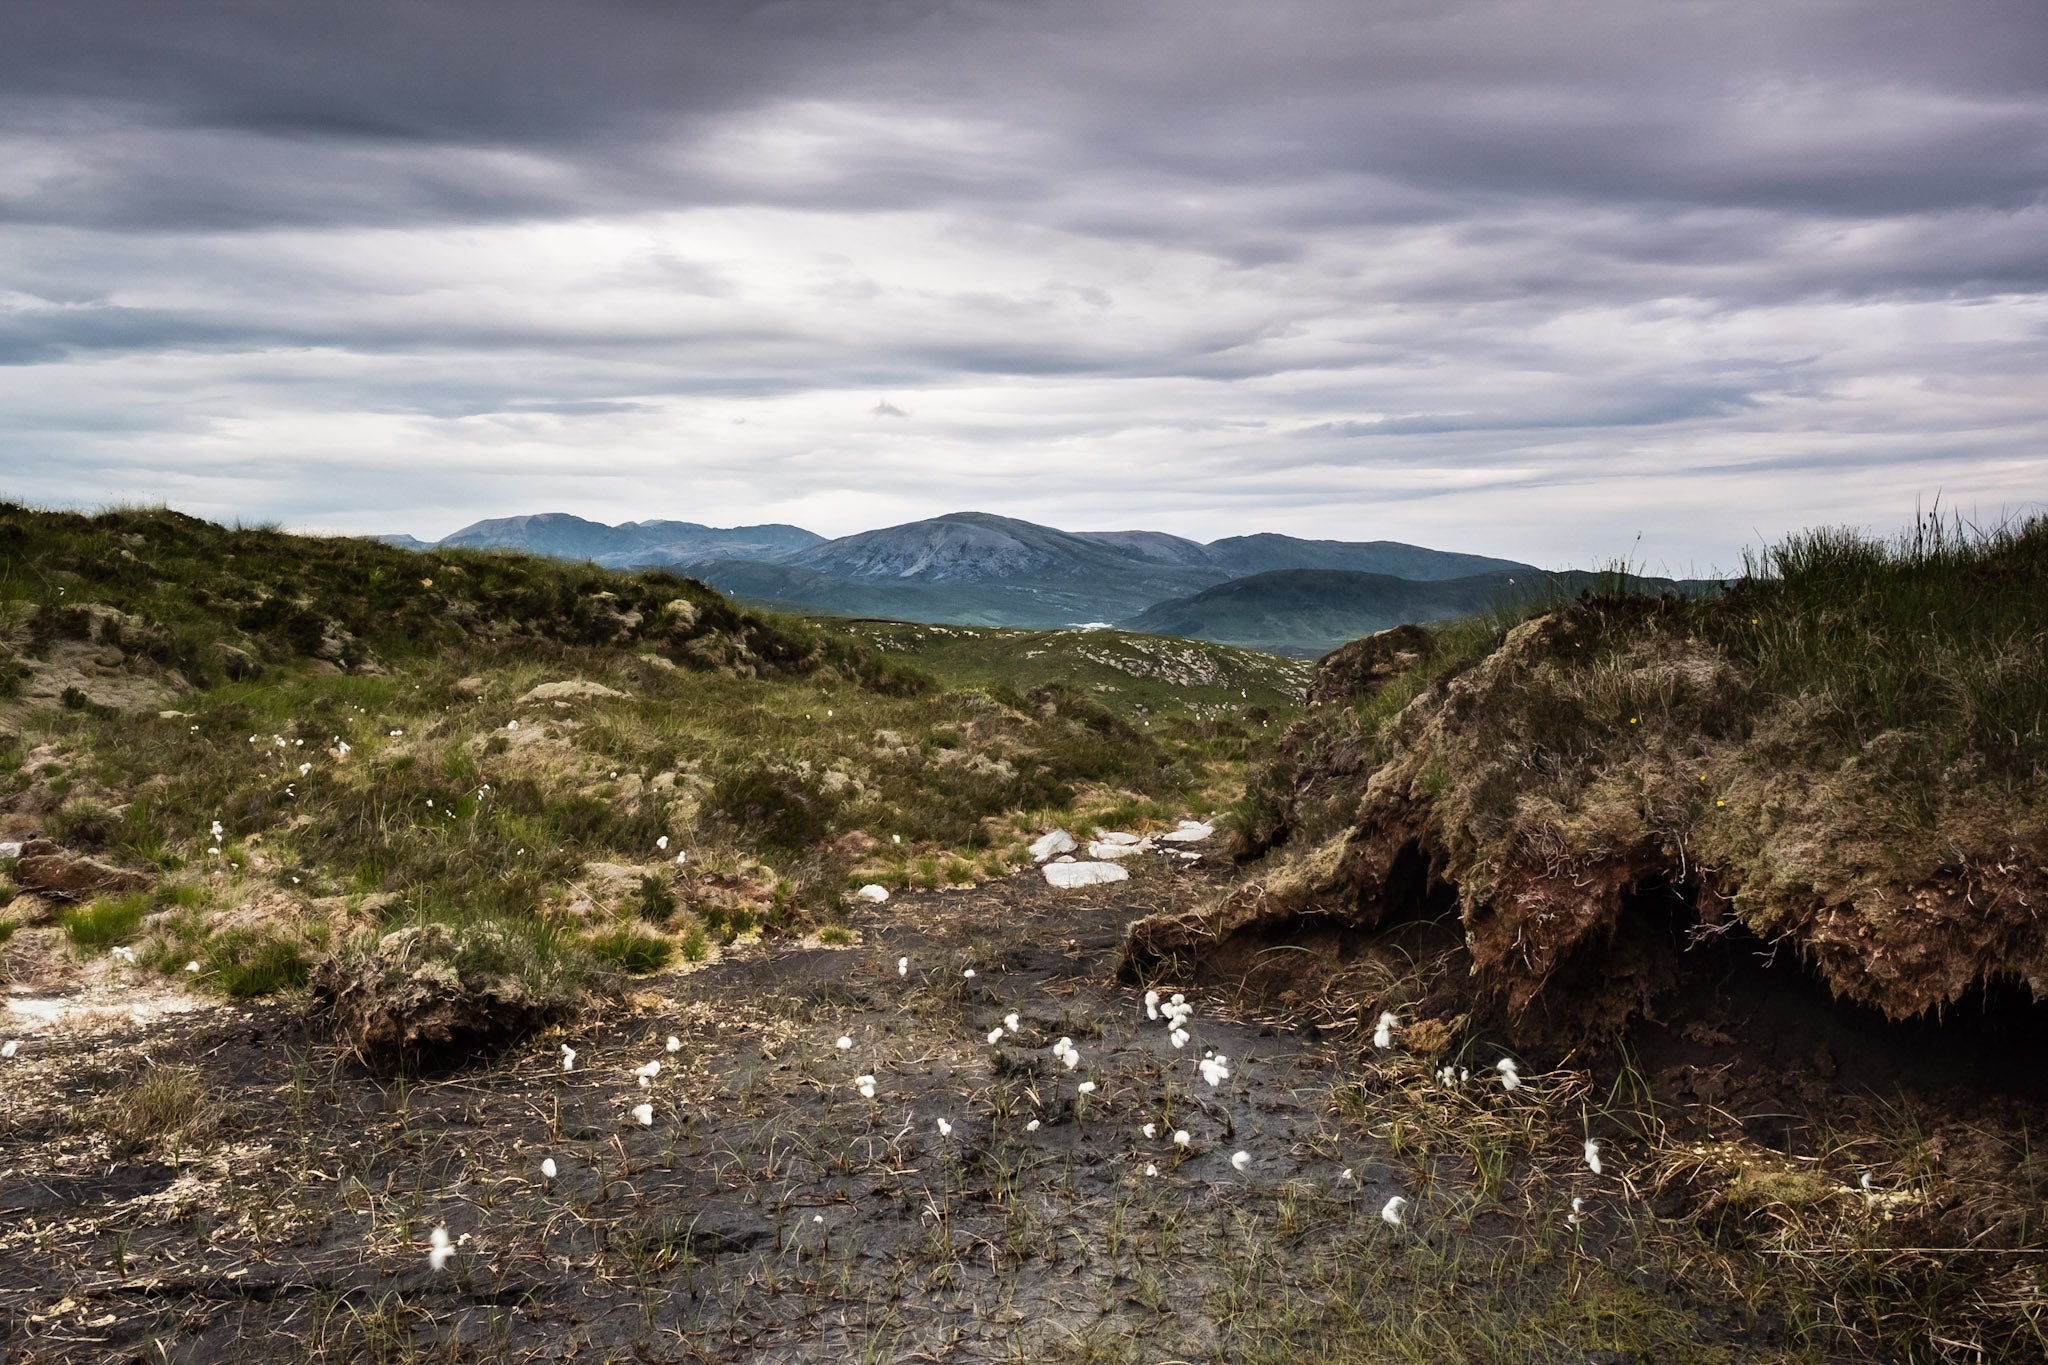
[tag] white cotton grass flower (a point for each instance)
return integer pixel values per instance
(568, 1058)
(192, 967)
(844, 1044)
(548, 1169)
(995, 1035)
(674, 1044)
(945, 1128)
(1592, 1156)
(646, 1074)
(1150, 1169)
(1150, 1130)
(305, 768)
(1032, 1126)
(126, 955)
(968, 974)
(643, 1114)
(439, 1248)
(1151, 1004)
(1215, 1070)
(1181, 1138)
(10, 1047)
(1086, 1087)
(1510, 1077)
(1394, 1213)
(1344, 1176)
(1179, 1037)
(1241, 1160)
(1012, 1022)
(1578, 1213)
(903, 966)
(866, 1086)
(1383, 1036)
(662, 843)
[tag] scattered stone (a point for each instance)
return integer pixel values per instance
(1110, 851)
(1189, 832)
(872, 892)
(1067, 876)
(1059, 841)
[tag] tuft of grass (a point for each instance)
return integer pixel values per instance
(632, 948)
(1936, 631)
(107, 921)
(248, 963)
(161, 1108)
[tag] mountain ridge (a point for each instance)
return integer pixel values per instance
(986, 569)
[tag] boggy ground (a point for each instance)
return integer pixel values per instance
(211, 1183)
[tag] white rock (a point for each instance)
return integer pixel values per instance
(1109, 850)
(1116, 837)
(1059, 841)
(872, 892)
(1189, 832)
(1067, 876)
(571, 689)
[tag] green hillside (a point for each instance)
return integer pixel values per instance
(279, 748)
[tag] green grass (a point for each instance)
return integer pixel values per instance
(1938, 631)
(632, 949)
(248, 963)
(105, 922)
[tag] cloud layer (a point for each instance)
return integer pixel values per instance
(1519, 279)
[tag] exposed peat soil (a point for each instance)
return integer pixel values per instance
(769, 1212)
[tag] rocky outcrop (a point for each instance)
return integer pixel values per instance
(45, 869)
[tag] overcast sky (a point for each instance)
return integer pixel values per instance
(1522, 278)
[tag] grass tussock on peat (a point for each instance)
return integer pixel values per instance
(1844, 755)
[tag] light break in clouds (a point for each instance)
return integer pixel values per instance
(1514, 278)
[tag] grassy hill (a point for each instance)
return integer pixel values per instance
(1149, 678)
(1309, 612)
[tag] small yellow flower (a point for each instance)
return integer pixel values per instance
(426, 582)
(1720, 803)
(1631, 720)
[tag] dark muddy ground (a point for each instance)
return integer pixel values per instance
(769, 1211)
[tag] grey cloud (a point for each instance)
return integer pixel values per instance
(1529, 243)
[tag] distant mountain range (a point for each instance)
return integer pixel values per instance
(1272, 592)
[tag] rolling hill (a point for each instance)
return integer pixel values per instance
(1312, 611)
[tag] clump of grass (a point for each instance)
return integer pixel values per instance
(655, 900)
(1937, 631)
(163, 1107)
(247, 963)
(694, 945)
(107, 921)
(632, 949)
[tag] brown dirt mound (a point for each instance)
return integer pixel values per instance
(47, 870)
(429, 995)
(1598, 774)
